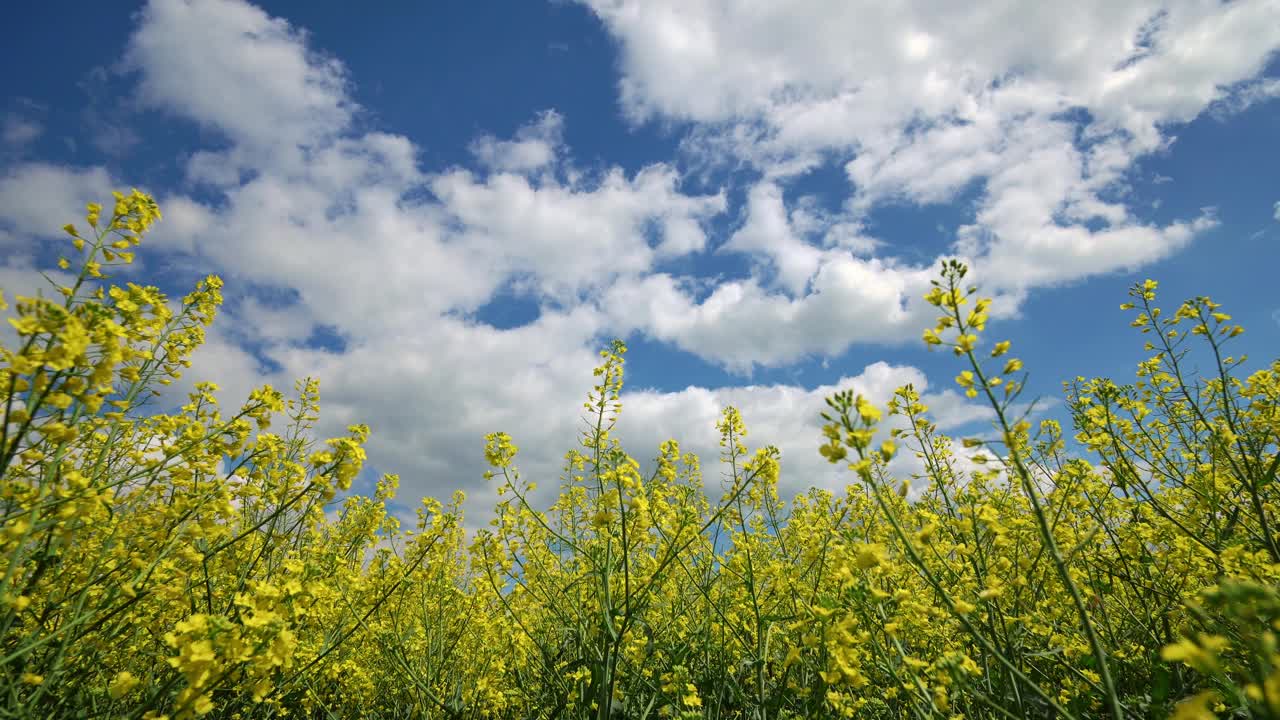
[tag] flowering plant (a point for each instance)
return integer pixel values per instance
(195, 564)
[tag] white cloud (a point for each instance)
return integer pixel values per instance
(184, 223)
(1044, 107)
(1030, 228)
(37, 199)
(1137, 62)
(1246, 95)
(574, 237)
(419, 257)
(769, 233)
(534, 147)
(741, 324)
(1276, 211)
(19, 131)
(231, 67)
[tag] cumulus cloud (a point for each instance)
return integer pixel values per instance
(770, 233)
(575, 237)
(233, 68)
(922, 100)
(534, 147)
(37, 199)
(742, 324)
(875, 65)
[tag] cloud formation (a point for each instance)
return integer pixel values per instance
(923, 100)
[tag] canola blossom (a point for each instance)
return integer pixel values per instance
(209, 563)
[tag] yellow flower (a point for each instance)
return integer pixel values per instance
(60, 400)
(868, 412)
(499, 450)
(203, 705)
(691, 698)
(862, 467)
(26, 325)
(1195, 707)
(833, 451)
(869, 555)
(122, 685)
(1202, 655)
(32, 678)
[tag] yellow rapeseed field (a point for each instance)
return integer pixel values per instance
(209, 563)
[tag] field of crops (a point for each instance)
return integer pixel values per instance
(210, 563)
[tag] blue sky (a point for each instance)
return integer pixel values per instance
(442, 210)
